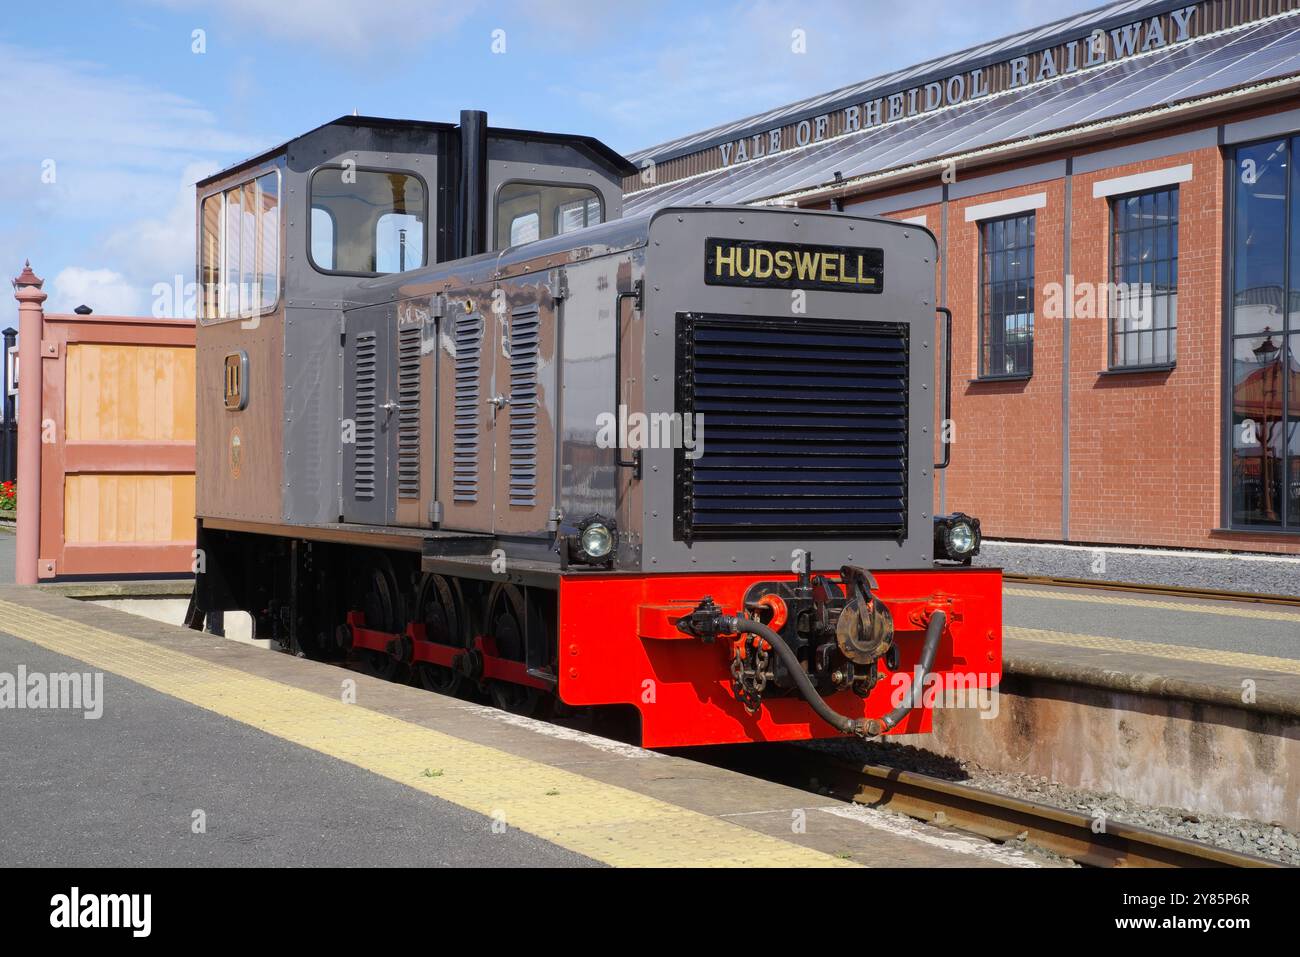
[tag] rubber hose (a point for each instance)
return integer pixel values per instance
(933, 632)
(843, 723)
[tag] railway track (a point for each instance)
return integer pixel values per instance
(994, 816)
(1170, 591)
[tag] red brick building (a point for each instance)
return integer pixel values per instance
(1117, 209)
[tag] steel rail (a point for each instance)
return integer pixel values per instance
(997, 817)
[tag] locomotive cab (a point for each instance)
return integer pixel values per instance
(284, 241)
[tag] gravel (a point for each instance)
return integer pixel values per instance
(1226, 571)
(1266, 840)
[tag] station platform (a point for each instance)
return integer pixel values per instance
(210, 752)
(1195, 648)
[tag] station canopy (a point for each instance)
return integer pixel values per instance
(1231, 59)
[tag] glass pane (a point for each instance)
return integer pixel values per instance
(558, 209)
(1007, 303)
(268, 263)
(399, 242)
(322, 238)
(1293, 432)
(1257, 430)
(248, 288)
(230, 270)
(1260, 242)
(524, 229)
(210, 259)
(367, 208)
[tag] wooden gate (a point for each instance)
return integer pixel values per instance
(117, 446)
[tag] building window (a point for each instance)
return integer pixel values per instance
(1144, 279)
(1007, 297)
(527, 212)
(1265, 330)
(367, 222)
(239, 254)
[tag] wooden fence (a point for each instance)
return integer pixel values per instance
(116, 446)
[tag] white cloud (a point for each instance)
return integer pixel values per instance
(107, 292)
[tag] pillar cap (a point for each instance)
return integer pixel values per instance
(28, 278)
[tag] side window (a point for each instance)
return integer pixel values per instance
(1007, 297)
(527, 212)
(239, 255)
(367, 221)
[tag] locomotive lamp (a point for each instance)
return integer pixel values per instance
(593, 543)
(596, 540)
(956, 537)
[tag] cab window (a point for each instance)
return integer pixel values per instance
(367, 221)
(527, 212)
(239, 249)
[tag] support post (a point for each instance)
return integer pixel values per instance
(31, 329)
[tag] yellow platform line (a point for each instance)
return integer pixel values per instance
(604, 822)
(1209, 656)
(1262, 614)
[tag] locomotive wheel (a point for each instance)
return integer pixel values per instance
(381, 603)
(439, 608)
(508, 610)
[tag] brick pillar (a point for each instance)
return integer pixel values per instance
(31, 329)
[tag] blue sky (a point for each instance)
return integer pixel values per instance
(112, 116)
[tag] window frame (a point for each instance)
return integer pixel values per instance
(1171, 331)
(982, 374)
(428, 214)
(519, 181)
(219, 192)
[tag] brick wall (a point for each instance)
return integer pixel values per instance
(1145, 448)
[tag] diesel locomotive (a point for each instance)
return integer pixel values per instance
(463, 423)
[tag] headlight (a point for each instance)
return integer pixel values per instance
(596, 540)
(956, 537)
(961, 538)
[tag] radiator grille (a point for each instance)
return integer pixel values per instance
(408, 411)
(363, 466)
(525, 329)
(468, 335)
(804, 428)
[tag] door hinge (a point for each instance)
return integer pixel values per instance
(558, 284)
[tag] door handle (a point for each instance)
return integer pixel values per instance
(497, 402)
(390, 406)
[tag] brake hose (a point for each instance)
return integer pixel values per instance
(862, 727)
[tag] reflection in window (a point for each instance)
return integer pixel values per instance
(526, 212)
(1007, 297)
(376, 220)
(399, 242)
(523, 229)
(239, 254)
(322, 238)
(1265, 450)
(1144, 278)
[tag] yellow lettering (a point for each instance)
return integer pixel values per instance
(783, 269)
(807, 264)
(762, 263)
(728, 258)
(744, 271)
(830, 269)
